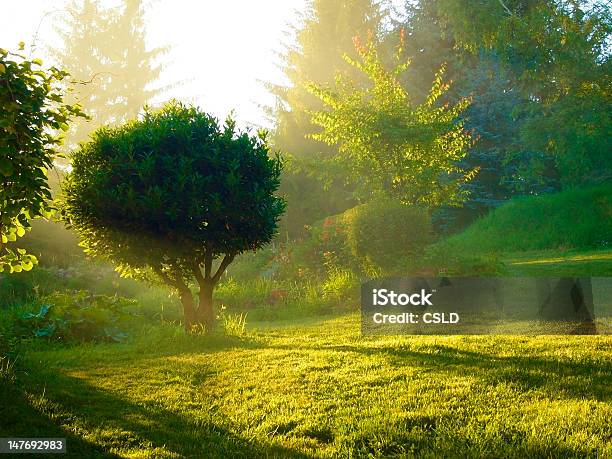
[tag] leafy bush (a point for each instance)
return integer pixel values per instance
(164, 196)
(33, 112)
(383, 231)
(78, 317)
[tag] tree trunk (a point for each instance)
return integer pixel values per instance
(189, 311)
(206, 315)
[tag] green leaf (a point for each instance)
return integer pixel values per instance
(6, 168)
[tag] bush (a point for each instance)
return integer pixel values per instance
(383, 231)
(77, 317)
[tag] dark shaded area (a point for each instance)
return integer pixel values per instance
(18, 418)
(142, 425)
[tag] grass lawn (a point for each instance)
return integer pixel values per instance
(318, 389)
(554, 263)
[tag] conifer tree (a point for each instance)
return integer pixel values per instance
(325, 34)
(104, 49)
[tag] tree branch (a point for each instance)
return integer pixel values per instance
(208, 261)
(177, 284)
(198, 274)
(224, 264)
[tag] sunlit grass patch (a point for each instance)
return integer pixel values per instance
(319, 389)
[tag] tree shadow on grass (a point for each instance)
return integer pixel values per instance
(19, 419)
(577, 380)
(568, 379)
(120, 424)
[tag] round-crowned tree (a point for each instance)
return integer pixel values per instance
(174, 197)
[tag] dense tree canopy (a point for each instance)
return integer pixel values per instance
(323, 36)
(393, 146)
(171, 193)
(320, 39)
(560, 53)
(32, 112)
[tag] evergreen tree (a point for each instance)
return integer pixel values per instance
(560, 54)
(104, 50)
(325, 34)
(312, 186)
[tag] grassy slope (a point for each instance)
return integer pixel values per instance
(319, 389)
(574, 219)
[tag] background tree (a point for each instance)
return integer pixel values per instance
(104, 49)
(32, 112)
(314, 188)
(394, 147)
(560, 53)
(170, 194)
(323, 37)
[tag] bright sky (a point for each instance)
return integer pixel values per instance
(221, 50)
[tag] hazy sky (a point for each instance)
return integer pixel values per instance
(222, 49)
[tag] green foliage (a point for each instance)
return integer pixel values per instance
(341, 286)
(314, 188)
(32, 112)
(323, 35)
(560, 53)
(573, 219)
(287, 299)
(170, 194)
(77, 317)
(383, 232)
(313, 184)
(393, 146)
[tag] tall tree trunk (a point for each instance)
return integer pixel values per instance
(206, 315)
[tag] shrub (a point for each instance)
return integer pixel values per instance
(383, 231)
(165, 196)
(78, 317)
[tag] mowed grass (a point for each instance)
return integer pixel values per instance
(558, 263)
(318, 389)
